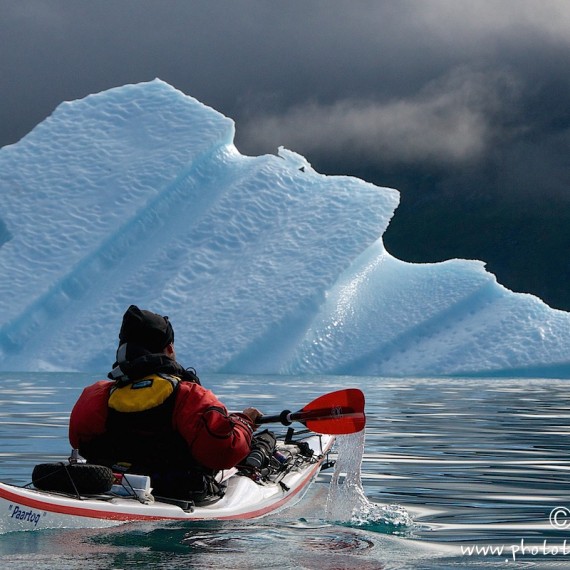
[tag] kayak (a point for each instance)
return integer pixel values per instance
(100, 498)
(247, 493)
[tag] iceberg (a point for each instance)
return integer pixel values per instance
(138, 195)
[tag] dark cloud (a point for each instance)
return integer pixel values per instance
(450, 120)
(247, 56)
(438, 98)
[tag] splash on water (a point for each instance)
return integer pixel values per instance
(346, 501)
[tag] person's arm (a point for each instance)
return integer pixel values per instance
(89, 415)
(217, 439)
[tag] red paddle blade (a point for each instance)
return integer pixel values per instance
(336, 413)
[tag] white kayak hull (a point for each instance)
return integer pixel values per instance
(24, 508)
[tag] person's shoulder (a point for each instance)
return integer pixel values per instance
(99, 387)
(196, 392)
(190, 388)
(93, 397)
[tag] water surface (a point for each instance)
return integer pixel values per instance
(475, 463)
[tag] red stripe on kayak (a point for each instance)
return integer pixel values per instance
(76, 511)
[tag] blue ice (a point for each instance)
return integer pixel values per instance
(138, 195)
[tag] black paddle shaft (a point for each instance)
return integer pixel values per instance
(285, 417)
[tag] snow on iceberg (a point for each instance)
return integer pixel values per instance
(138, 195)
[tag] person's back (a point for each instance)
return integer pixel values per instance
(155, 418)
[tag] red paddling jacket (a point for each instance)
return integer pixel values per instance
(158, 425)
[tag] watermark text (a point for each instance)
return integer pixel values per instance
(559, 519)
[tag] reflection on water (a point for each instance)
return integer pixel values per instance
(478, 459)
(473, 462)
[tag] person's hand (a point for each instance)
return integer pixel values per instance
(253, 414)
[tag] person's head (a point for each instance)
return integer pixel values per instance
(148, 330)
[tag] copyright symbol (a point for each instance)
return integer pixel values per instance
(560, 517)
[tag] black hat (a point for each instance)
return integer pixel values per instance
(146, 329)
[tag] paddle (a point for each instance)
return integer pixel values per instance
(336, 413)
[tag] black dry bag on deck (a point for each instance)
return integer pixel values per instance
(73, 478)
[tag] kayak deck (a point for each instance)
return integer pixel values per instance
(24, 508)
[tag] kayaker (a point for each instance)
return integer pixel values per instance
(153, 417)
